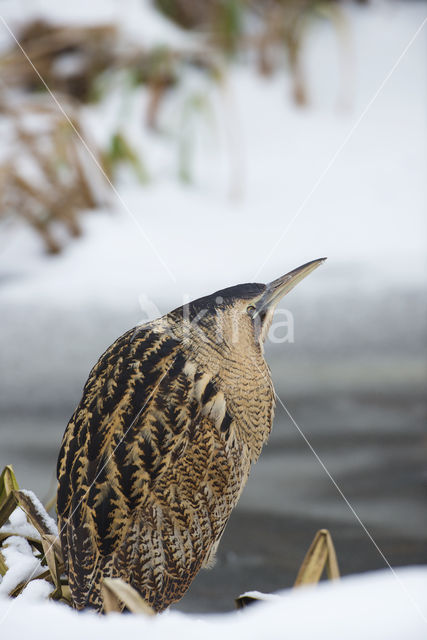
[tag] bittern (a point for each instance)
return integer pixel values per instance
(157, 453)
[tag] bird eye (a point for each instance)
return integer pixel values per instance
(250, 309)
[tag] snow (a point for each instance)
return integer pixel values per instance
(129, 15)
(41, 512)
(19, 556)
(367, 213)
(19, 524)
(382, 604)
(376, 605)
(22, 564)
(259, 595)
(36, 591)
(387, 604)
(260, 204)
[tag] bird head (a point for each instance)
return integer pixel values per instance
(261, 308)
(241, 313)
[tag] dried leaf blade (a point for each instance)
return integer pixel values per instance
(116, 591)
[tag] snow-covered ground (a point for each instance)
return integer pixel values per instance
(377, 605)
(273, 186)
(385, 604)
(347, 181)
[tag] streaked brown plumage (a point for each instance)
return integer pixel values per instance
(157, 453)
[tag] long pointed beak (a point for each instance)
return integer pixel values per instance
(280, 287)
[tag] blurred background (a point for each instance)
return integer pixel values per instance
(189, 146)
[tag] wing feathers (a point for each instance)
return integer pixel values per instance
(146, 479)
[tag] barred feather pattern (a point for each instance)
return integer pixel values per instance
(155, 457)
